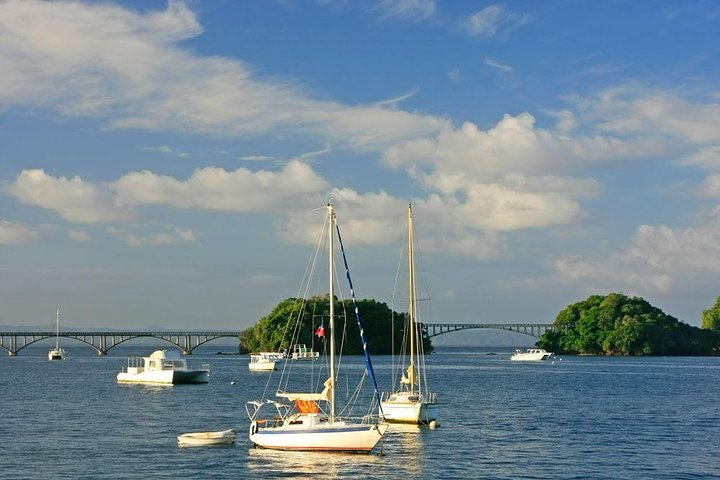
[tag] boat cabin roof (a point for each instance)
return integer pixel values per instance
(165, 354)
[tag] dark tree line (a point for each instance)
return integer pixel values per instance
(275, 331)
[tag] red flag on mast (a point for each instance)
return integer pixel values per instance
(320, 332)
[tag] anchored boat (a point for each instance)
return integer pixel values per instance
(196, 439)
(412, 402)
(531, 355)
(302, 423)
(57, 353)
(164, 367)
(263, 361)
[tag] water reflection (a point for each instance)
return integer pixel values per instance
(399, 454)
(275, 463)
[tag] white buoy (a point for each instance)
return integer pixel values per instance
(433, 425)
(232, 383)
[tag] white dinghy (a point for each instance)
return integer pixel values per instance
(196, 439)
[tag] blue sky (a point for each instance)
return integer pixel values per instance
(161, 163)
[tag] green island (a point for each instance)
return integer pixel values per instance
(612, 324)
(382, 327)
(616, 324)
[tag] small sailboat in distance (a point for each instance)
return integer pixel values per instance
(413, 402)
(57, 353)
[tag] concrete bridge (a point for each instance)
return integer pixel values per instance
(532, 329)
(102, 342)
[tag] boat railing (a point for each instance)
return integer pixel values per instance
(134, 362)
(205, 366)
(369, 419)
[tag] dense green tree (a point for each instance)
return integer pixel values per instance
(711, 317)
(619, 325)
(295, 318)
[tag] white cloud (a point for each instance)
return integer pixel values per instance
(710, 186)
(497, 65)
(368, 219)
(705, 157)
(659, 258)
(406, 10)
(173, 235)
(508, 177)
(630, 110)
(80, 237)
(212, 188)
(494, 20)
(454, 74)
(12, 233)
(377, 218)
(73, 199)
(256, 158)
(105, 61)
(161, 149)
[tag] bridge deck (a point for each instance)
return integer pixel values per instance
(187, 341)
(103, 341)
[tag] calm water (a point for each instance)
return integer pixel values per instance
(582, 417)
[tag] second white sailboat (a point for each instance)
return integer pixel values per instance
(412, 402)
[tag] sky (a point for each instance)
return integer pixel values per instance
(166, 163)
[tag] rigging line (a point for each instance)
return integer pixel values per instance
(368, 362)
(392, 319)
(302, 295)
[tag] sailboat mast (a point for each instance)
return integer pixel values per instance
(411, 307)
(57, 329)
(331, 221)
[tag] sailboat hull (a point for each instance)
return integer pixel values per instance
(56, 354)
(417, 413)
(329, 437)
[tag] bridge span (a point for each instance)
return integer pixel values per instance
(187, 341)
(102, 342)
(532, 329)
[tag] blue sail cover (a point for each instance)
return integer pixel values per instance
(368, 362)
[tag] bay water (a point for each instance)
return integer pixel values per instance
(576, 417)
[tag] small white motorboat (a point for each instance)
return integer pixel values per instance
(531, 355)
(263, 361)
(224, 437)
(162, 367)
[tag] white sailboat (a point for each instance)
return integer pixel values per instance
(57, 353)
(304, 425)
(413, 402)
